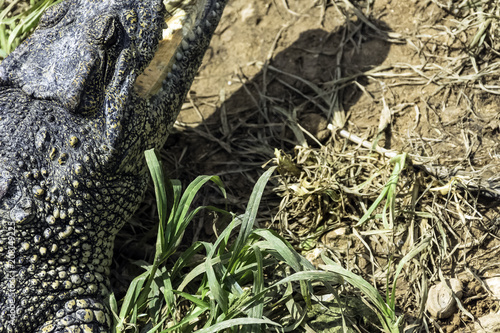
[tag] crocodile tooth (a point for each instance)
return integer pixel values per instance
(179, 56)
(3, 74)
(5, 180)
(184, 44)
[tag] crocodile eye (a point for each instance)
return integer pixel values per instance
(112, 34)
(104, 31)
(53, 15)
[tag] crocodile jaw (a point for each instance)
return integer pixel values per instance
(181, 19)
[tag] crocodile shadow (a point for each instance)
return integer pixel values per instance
(312, 57)
(256, 118)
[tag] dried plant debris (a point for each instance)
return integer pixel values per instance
(332, 201)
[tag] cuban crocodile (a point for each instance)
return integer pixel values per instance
(96, 84)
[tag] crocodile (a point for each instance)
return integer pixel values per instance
(95, 85)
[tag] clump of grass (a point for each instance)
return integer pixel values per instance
(233, 287)
(384, 309)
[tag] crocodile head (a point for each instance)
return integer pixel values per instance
(97, 83)
(84, 50)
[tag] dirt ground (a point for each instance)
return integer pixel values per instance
(411, 72)
(415, 76)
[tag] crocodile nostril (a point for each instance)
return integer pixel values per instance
(29, 89)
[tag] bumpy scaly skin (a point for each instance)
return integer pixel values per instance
(72, 136)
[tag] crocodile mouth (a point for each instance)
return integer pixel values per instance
(181, 19)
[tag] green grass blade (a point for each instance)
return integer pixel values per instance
(307, 276)
(195, 314)
(164, 206)
(3, 42)
(373, 206)
(409, 256)
(31, 19)
(182, 225)
(388, 192)
(329, 276)
(258, 285)
(197, 301)
(284, 250)
(7, 10)
(185, 258)
(155, 303)
(358, 282)
(385, 314)
(292, 258)
(198, 270)
(177, 193)
(233, 323)
(220, 295)
(113, 304)
(168, 292)
(249, 216)
(215, 282)
(185, 202)
(131, 297)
